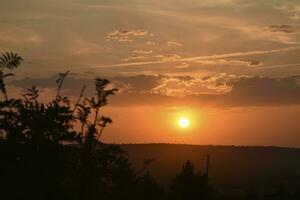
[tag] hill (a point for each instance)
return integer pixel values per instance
(233, 168)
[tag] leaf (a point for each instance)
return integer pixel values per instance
(101, 84)
(33, 94)
(105, 121)
(10, 60)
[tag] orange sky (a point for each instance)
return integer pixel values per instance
(231, 66)
(275, 126)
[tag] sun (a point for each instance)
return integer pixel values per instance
(183, 122)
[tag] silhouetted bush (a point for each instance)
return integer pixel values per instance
(147, 188)
(44, 157)
(189, 184)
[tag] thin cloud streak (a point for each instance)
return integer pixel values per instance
(211, 57)
(275, 66)
(249, 53)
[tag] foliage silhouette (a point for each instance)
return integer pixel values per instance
(146, 188)
(44, 157)
(189, 184)
(8, 61)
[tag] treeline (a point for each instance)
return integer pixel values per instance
(53, 150)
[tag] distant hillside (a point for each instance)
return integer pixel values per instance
(232, 167)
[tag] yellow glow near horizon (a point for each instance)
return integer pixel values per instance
(184, 122)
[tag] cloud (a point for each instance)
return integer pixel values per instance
(142, 52)
(169, 58)
(220, 3)
(276, 66)
(246, 62)
(138, 55)
(284, 33)
(80, 46)
(238, 91)
(254, 62)
(128, 35)
(264, 91)
(247, 53)
(150, 43)
(174, 44)
(147, 53)
(16, 35)
(134, 57)
(139, 83)
(183, 65)
(292, 9)
(187, 27)
(217, 90)
(281, 28)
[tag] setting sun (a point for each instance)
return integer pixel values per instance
(184, 122)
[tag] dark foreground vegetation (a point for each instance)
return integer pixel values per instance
(235, 171)
(43, 155)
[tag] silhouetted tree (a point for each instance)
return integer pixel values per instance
(32, 138)
(189, 184)
(252, 195)
(146, 187)
(281, 190)
(297, 193)
(44, 157)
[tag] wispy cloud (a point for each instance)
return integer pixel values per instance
(164, 59)
(244, 62)
(220, 89)
(248, 53)
(127, 35)
(80, 46)
(17, 35)
(174, 44)
(183, 65)
(292, 9)
(275, 66)
(281, 28)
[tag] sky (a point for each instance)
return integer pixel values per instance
(232, 67)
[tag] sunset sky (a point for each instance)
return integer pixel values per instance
(231, 67)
